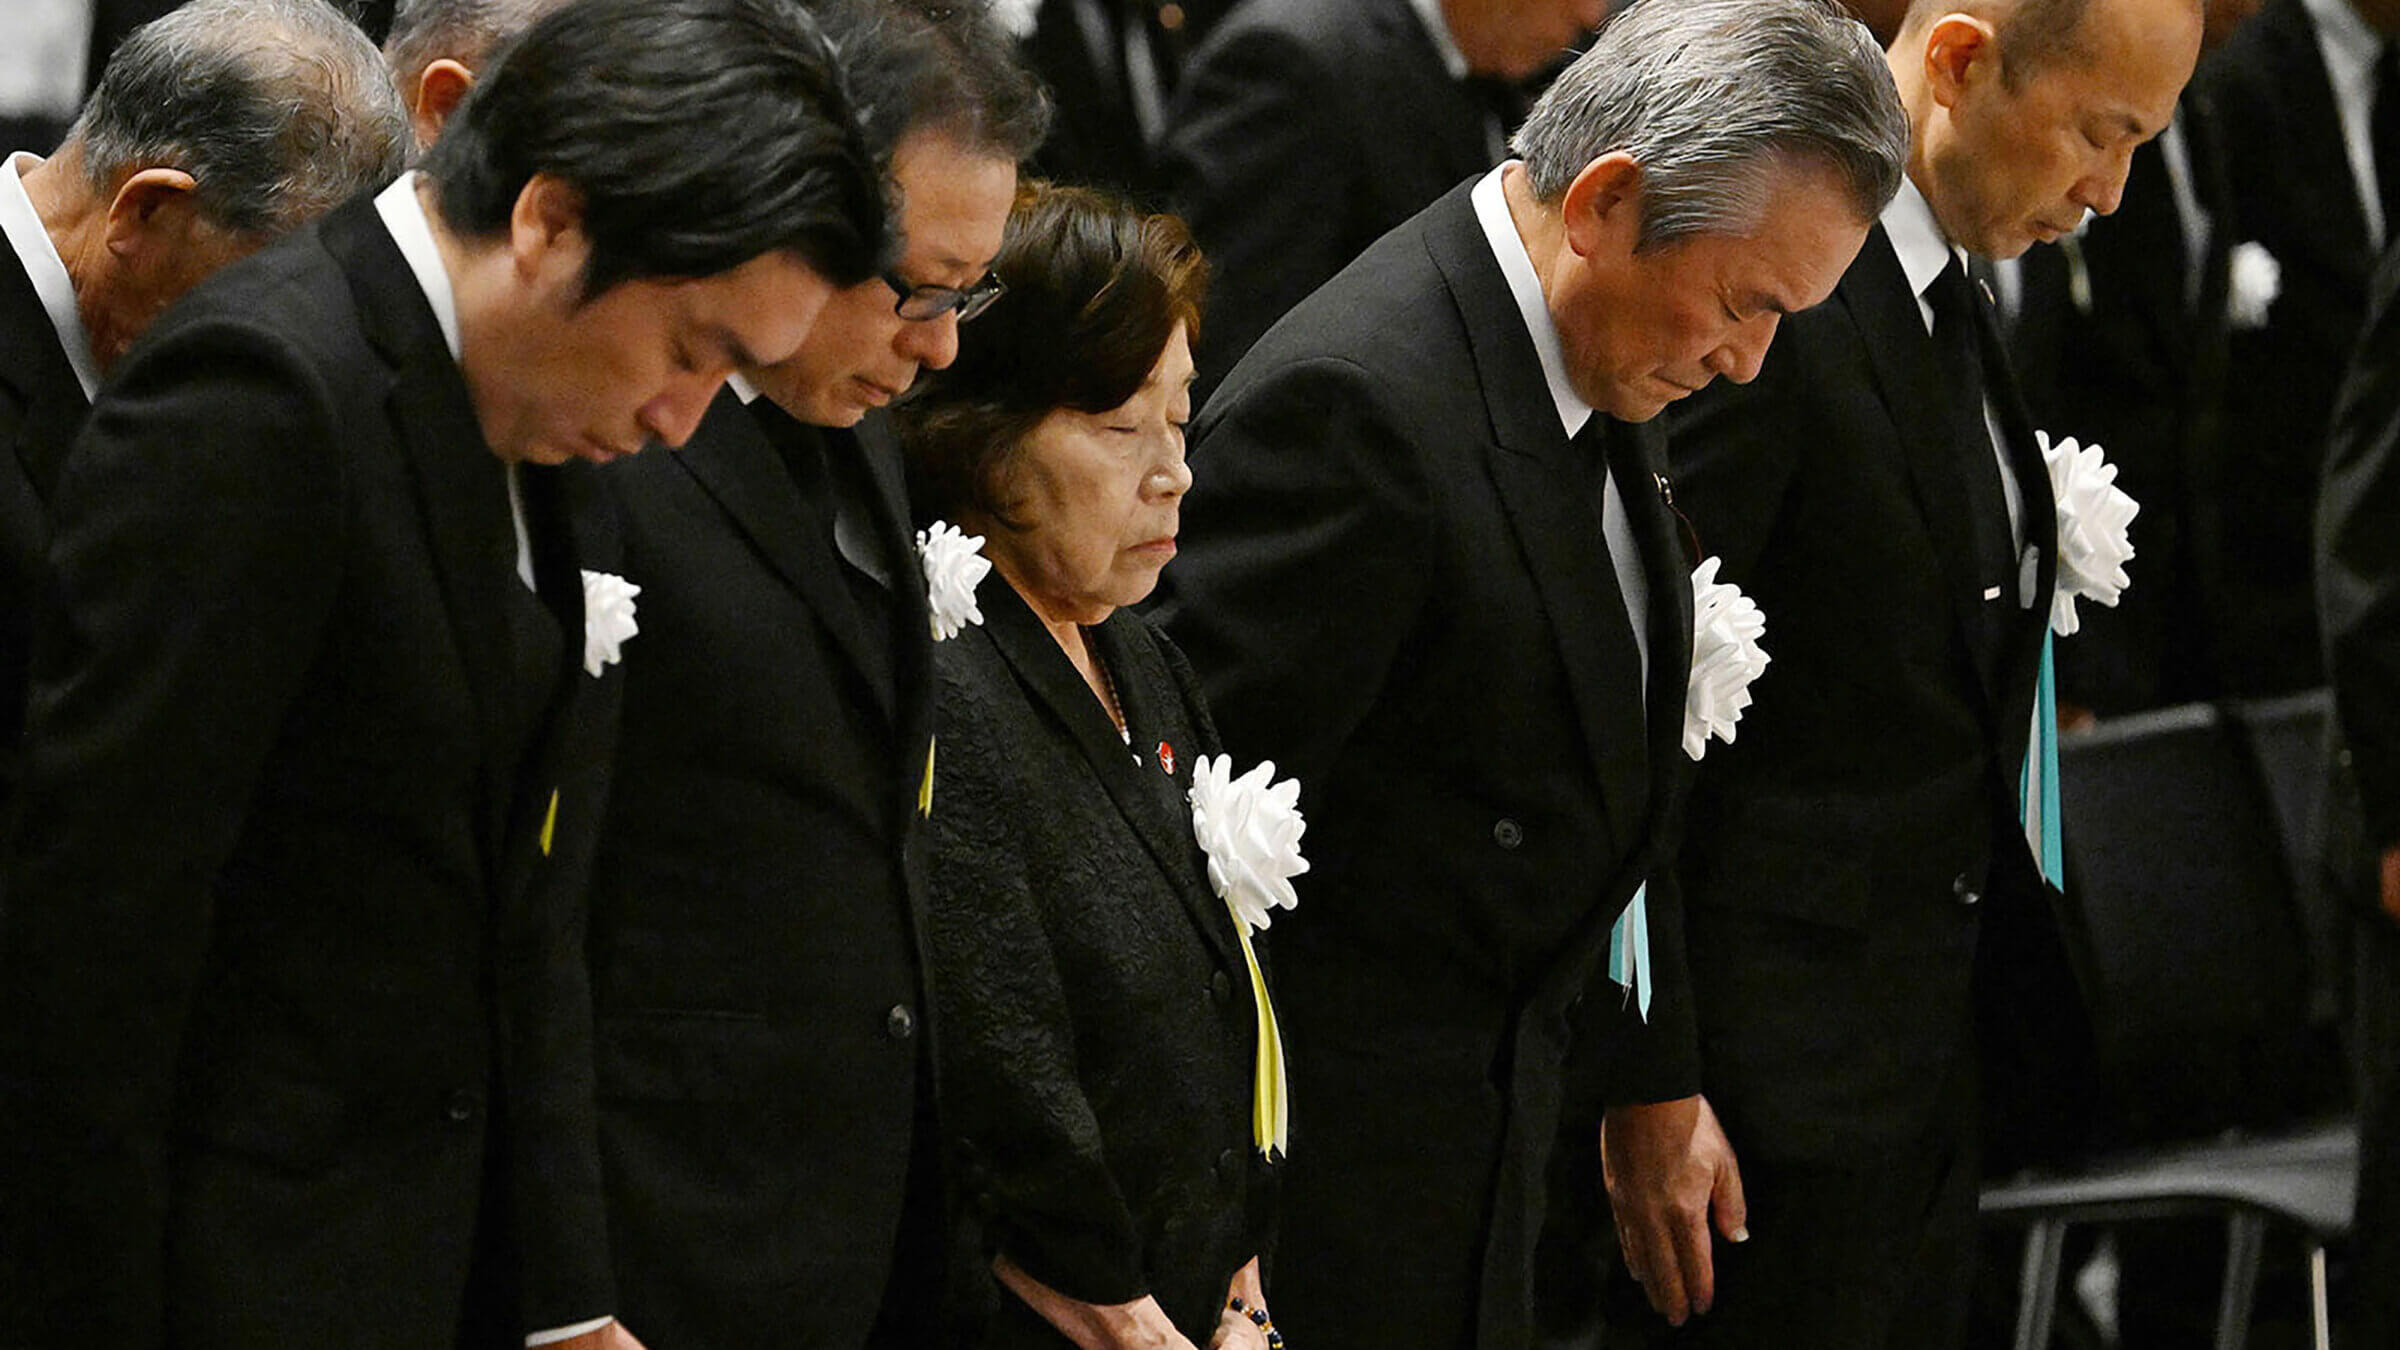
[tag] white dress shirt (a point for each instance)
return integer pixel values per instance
(29, 239)
(2351, 49)
(1616, 528)
(404, 216)
(1924, 251)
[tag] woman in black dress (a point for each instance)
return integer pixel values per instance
(1110, 1071)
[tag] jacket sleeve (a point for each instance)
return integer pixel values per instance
(195, 553)
(2358, 560)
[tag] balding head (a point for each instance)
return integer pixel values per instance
(2025, 114)
(436, 46)
(212, 130)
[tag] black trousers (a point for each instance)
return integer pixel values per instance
(1840, 1257)
(2375, 1242)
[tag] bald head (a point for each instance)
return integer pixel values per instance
(2024, 114)
(436, 46)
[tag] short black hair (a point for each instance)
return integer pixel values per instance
(1096, 287)
(700, 134)
(943, 66)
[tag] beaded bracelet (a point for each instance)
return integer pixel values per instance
(1258, 1318)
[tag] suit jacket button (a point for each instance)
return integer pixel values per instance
(461, 1107)
(1508, 833)
(900, 1023)
(1967, 895)
(1220, 988)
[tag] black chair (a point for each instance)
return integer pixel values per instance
(2199, 980)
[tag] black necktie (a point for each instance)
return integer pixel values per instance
(1626, 776)
(2384, 128)
(1954, 300)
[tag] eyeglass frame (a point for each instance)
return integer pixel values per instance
(922, 304)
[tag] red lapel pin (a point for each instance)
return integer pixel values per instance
(1166, 758)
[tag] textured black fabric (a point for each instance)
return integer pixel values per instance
(1097, 1020)
(41, 408)
(2384, 129)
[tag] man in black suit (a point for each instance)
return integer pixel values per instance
(1430, 569)
(1112, 67)
(1304, 129)
(2306, 98)
(2358, 585)
(1858, 884)
(436, 46)
(766, 1108)
(294, 1039)
(197, 148)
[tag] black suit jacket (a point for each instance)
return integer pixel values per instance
(1098, 1029)
(2121, 342)
(1095, 135)
(292, 956)
(756, 926)
(2358, 559)
(1303, 131)
(41, 408)
(1848, 857)
(1395, 586)
(2294, 194)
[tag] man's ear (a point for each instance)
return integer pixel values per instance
(1602, 208)
(1959, 48)
(440, 89)
(546, 241)
(153, 209)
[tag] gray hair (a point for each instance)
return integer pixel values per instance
(465, 31)
(1709, 97)
(278, 109)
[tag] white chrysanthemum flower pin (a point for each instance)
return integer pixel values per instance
(2093, 516)
(954, 566)
(607, 619)
(2253, 279)
(1251, 834)
(1726, 657)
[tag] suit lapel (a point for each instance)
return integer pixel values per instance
(1908, 378)
(461, 486)
(1059, 691)
(1550, 491)
(2317, 162)
(1667, 558)
(738, 464)
(32, 365)
(872, 441)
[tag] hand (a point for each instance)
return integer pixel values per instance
(2391, 883)
(1139, 1325)
(1669, 1168)
(613, 1336)
(1235, 1330)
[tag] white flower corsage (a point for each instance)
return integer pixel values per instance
(2253, 279)
(1726, 657)
(1251, 834)
(954, 566)
(607, 619)
(2093, 513)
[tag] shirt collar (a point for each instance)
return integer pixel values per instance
(742, 388)
(1491, 210)
(2345, 33)
(39, 256)
(1437, 27)
(1916, 236)
(404, 216)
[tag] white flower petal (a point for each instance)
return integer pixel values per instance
(2254, 278)
(1249, 828)
(1726, 657)
(607, 619)
(954, 566)
(2094, 515)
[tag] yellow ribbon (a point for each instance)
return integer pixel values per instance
(550, 823)
(1270, 1108)
(925, 789)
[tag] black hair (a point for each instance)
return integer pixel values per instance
(699, 134)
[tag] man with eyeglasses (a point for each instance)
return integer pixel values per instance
(766, 1123)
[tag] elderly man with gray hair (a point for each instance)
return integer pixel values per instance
(436, 46)
(212, 131)
(1431, 569)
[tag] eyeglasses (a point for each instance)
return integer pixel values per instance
(919, 303)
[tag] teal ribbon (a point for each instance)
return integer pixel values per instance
(1629, 950)
(2037, 786)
